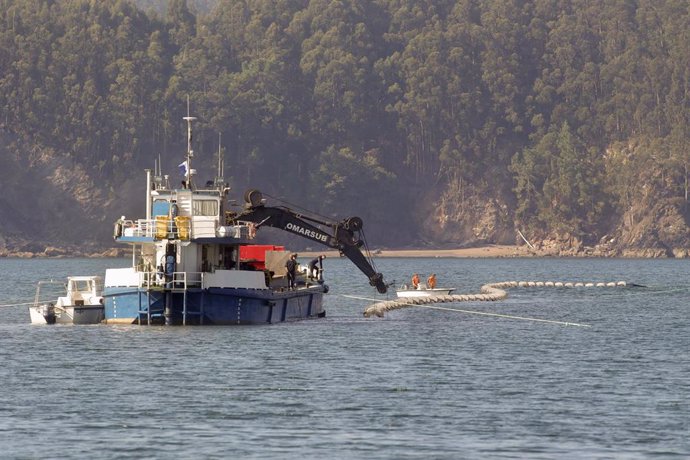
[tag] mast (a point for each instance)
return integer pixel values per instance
(190, 152)
(220, 173)
(148, 194)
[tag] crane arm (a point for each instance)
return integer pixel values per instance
(343, 236)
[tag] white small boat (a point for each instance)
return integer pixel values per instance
(81, 304)
(421, 291)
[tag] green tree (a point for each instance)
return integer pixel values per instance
(560, 184)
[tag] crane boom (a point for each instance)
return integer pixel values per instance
(343, 236)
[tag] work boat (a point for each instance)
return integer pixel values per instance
(195, 262)
(421, 291)
(81, 304)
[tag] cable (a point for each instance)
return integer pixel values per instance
(23, 303)
(300, 208)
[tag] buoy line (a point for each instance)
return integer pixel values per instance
(483, 313)
(488, 293)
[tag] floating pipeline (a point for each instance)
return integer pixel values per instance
(488, 293)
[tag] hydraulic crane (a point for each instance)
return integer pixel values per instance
(345, 236)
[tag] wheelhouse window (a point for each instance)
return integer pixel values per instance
(81, 285)
(205, 207)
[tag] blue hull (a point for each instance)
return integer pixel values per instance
(214, 306)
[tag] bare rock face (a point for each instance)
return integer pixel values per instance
(654, 228)
(113, 252)
(463, 217)
(492, 222)
(49, 202)
(680, 253)
(659, 230)
(51, 251)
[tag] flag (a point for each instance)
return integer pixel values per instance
(183, 168)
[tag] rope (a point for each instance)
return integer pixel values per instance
(488, 293)
(23, 303)
(297, 207)
(368, 256)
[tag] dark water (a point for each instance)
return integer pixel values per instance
(417, 384)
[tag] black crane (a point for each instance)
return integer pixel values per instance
(345, 236)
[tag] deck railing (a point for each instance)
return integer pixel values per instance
(184, 280)
(138, 228)
(182, 228)
(178, 280)
(177, 228)
(160, 228)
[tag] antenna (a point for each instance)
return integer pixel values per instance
(157, 172)
(220, 179)
(220, 163)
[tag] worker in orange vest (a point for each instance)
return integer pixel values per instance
(415, 281)
(431, 281)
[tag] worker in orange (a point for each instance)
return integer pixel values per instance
(431, 281)
(415, 281)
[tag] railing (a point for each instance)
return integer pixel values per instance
(183, 228)
(184, 280)
(138, 228)
(155, 280)
(177, 228)
(178, 280)
(54, 288)
(162, 227)
(149, 279)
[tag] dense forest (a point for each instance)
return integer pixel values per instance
(437, 121)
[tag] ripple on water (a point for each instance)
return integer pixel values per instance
(416, 384)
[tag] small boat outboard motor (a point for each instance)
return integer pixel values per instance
(48, 312)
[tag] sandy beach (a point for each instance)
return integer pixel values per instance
(483, 251)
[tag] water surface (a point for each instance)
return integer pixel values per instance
(417, 384)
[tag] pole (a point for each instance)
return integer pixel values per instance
(148, 194)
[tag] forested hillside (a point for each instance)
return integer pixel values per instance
(437, 121)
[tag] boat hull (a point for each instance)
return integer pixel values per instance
(78, 314)
(424, 292)
(213, 306)
(39, 315)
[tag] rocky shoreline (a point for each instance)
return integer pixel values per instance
(60, 252)
(544, 249)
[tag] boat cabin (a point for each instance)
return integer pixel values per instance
(82, 290)
(184, 240)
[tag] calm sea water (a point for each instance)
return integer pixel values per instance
(418, 384)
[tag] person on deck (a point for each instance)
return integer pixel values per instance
(291, 266)
(431, 281)
(316, 272)
(415, 281)
(172, 226)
